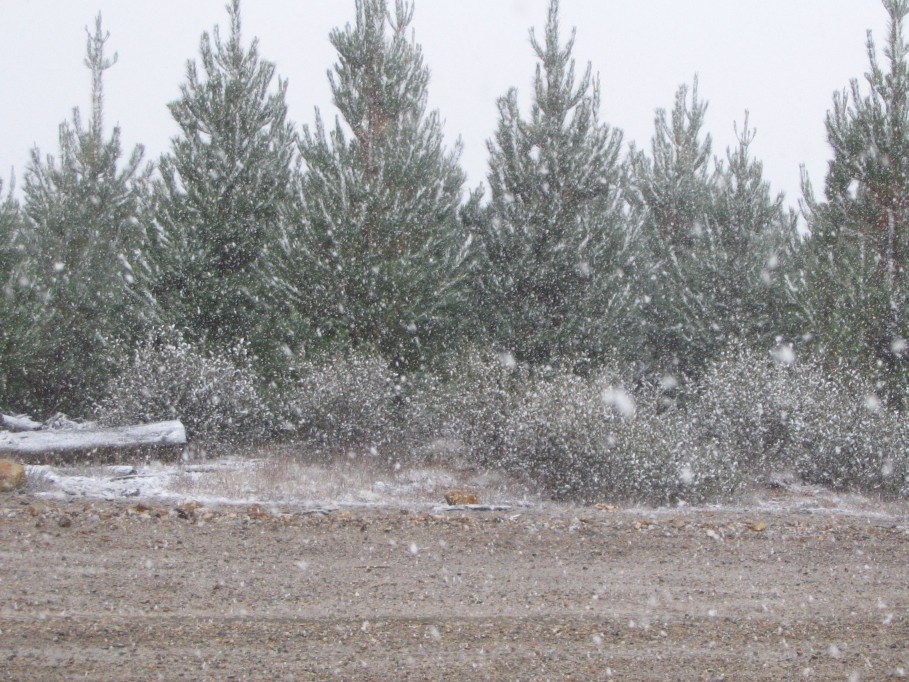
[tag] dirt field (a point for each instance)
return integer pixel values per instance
(141, 591)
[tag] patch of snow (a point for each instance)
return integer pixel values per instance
(320, 487)
(229, 481)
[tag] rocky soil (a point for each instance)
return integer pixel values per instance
(107, 590)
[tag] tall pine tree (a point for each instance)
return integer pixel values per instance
(855, 283)
(556, 256)
(377, 257)
(754, 240)
(673, 190)
(11, 303)
(9, 231)
(715, 241)
(221, 196)
(83, 242)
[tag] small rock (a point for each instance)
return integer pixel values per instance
(257, 511)
(758, 526)
(458, 497)
(187, 510)
(12, 476)
(64, 521)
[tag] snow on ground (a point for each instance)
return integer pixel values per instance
(276, 481)
(357, 483)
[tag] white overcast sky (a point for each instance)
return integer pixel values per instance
(780, 59)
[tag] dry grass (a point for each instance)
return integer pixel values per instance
(293, 475)
(37, 480)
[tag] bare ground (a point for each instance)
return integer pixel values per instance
(107, 590)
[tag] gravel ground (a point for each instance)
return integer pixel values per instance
(106, 590)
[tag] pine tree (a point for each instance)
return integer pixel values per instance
(673, 190)
(855, 284)
(554, 277)
(675, 186)
(377, 257)
(9, 237)
(716, 241)
(756, 240)
(221, 196)
(83, 242)
(11, 304)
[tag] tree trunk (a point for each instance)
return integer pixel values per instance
(160, 439)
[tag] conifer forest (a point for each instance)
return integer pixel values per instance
(614, 323)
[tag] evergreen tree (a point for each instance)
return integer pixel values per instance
(855, 281)
(377, 256)
(715, 243)
(83, 245)
(11, 305)
(9, 238)
(221, 196)
(554, 279)
(674, 188)
(755, 239)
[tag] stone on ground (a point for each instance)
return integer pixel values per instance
(12, 475)
(459, 497)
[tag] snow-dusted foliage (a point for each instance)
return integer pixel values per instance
(581, 438)
(12, 307)
(478, 402)
(82, 243)
(564, 431)
(169, 378)
(715, 240)
(776, 413)
(220, 196)
(335, 289)
(346, 401)
(660, 456)
(599, 438)
(375, 255)
(555, 252)
(853, 285)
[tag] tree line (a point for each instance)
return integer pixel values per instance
(357, 232)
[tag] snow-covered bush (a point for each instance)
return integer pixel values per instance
(761, 406)
(561, 434)
(580, 438)
(775, 412)
(857, 444)
(344, 401)
(661, 456)
(167, 377)
(476, 401)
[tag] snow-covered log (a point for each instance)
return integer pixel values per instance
(159, 439)
(18, 422)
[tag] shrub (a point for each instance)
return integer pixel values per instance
(581, 438)
(561, 435)
(661, 456)
(167, 377)
(344, 402)
(589, 438)
(476, 401)
(776, 412)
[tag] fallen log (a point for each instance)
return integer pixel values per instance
(159, 440)
(18, 422)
